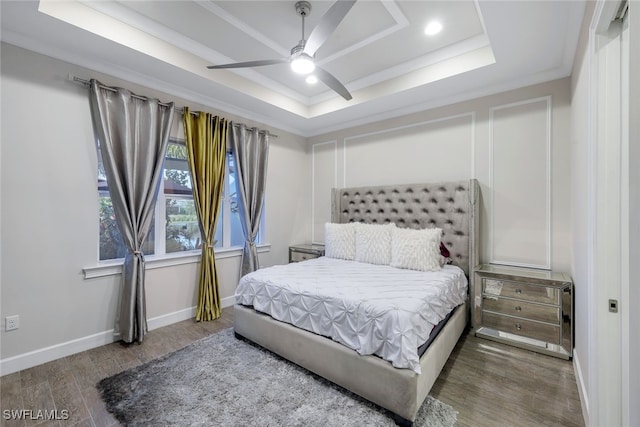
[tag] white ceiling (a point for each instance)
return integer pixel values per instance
(379, 51)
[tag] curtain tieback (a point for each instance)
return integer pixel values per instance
(137, 252)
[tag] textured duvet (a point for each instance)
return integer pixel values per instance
(373, 309)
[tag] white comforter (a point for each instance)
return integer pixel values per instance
(373, 309)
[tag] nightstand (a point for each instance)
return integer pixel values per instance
(305, 251)
(525, 307)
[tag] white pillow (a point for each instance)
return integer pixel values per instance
(340, 240)
(416, 249)
(373, 243)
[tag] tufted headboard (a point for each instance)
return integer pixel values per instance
(451, 206)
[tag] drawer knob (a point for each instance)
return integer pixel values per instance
(518, 308)
(518, 327)
(518, 291)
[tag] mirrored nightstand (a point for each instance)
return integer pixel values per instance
(525, 307)
(305, 251)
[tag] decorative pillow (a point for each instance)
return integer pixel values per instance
(444, 251)
(416, 249)
(373, 243)
(445, 255)
(340, 240)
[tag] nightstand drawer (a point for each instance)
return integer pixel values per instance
(305, 251)
(297, 256)
(522, 327)
(527, 310)
(503, 288)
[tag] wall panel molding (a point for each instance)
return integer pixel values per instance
(469, 171)
(520, 183)
(321, 185)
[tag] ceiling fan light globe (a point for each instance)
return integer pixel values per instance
(303, 65)
(433, 28)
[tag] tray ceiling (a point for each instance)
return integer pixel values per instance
(380, 51)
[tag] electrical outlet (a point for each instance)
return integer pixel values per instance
(11, 322)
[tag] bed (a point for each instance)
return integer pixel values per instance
(450, 206)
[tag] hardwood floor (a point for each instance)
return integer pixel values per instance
(489, 384)
(493, 384)
(69, 383)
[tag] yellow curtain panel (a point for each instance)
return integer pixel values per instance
(206, 141)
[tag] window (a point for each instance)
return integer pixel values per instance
(111, 243)
(175, 226)
(181, 220)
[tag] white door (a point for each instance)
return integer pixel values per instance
(612, 340)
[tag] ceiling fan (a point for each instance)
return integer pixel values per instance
(303, 54)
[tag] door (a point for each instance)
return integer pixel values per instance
(611, 380)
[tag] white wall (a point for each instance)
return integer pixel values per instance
(49, 215)
(580, 207)
(476, 139)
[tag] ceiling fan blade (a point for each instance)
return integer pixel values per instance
(327, 25)
(250, 64)
(328, 79)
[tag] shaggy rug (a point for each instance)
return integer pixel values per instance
(223, 381)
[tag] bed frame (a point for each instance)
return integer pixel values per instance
(451, 206)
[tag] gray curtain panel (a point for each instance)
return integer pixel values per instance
(250, 149)
(132, 134)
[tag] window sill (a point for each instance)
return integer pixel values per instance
(111, 268)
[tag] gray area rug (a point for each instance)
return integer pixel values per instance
(223, 381)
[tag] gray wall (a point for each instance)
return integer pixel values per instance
(49, 216)
(516, 143)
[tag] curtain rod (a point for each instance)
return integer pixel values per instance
(87, 83)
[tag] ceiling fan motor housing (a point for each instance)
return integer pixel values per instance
(303, 8)
(297, 49)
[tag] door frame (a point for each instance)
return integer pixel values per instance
(613, 379)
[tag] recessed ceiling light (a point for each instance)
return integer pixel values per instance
(311, 79)
(433, 28)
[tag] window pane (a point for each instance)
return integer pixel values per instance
(111, 244)
(177, 179)
(218, 236)
(237, 235)
(181, 226)
(182, 231)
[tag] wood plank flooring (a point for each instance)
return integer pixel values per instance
(493, 384)
(489, 384)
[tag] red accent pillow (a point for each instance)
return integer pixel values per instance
(444, 251)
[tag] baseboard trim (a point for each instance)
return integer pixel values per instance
(228, 301)
(57, 351)
(171, 318)
(582, 389)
